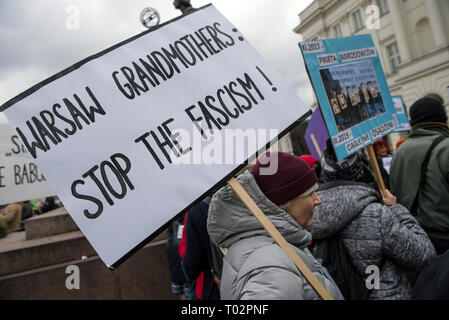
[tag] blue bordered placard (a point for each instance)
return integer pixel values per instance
(352, 91)
(400, 115)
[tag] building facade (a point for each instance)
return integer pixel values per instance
(412, 37)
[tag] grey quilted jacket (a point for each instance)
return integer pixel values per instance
(255, 267)
(373, 234)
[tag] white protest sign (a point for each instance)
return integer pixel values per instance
(118, 135)
(20, 179)
(386, 162)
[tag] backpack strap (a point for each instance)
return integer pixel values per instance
(215, 260)
(422, 179)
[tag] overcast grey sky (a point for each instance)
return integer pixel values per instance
(36, 43)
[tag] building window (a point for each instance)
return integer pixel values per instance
(395, 58)
(358, 22)
(337, 31)
(425, 36)
(383, 7)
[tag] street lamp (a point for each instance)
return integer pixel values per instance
(183, 5)
(150, 17)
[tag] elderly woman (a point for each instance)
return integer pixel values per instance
(255, 267)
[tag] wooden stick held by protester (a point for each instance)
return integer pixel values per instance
(375, 166)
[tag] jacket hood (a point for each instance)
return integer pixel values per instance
(230, 221)
(342, 202)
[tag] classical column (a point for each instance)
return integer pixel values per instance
(374, 31)
(401, 35)
(436, 22)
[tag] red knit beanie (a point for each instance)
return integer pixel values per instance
(292, 178)
(309, 159)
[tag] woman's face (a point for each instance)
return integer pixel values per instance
(382, 150)
(301, 209)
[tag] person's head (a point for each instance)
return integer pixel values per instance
(302, 207)
(313, 163)
(381, 148)
(292, 186)
(401, 141)
(351, 168)
(427, 110)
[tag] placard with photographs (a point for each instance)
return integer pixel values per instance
(400, 116)
(351, 89)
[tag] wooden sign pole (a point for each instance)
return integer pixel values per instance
(315, 144)
(274, 233)
(375, 166)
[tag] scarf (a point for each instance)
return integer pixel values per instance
(352, 168)
(434, 126)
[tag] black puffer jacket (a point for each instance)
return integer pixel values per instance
(197, 255)
(373, 234)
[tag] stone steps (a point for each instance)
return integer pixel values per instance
(33, 265)
(21, 255)
(48, 224)
(143, 276)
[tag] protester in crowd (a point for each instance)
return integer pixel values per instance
(27, 212)
(429, 201)
(433, 282)
(35, 206)
(47, 205)
(199, 253)
(313, 163)
(58, 202)
(383, 157)
(375, 231)
(204, 260)
(255, 267)
(10, 218)
(174, 234)
(400, 141)
(190, 285)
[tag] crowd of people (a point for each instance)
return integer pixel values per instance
(330, 212)
(334, 217)
(24, 210)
